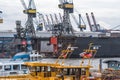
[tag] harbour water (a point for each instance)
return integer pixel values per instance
(94, 62)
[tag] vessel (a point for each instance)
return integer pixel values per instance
(15, 65)
(58, 70)
(109, 46)
(27, 56)
(8, 68)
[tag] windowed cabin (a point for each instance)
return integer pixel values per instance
(56, 71)
(42, 70)
(73, 72)
(11, 68)
(113, 64)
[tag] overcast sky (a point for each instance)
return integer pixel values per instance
(107, 12)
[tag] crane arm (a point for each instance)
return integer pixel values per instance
(38, 19)
(94, 21)
(23, 3)
(82, 19)
(52, 19)
(61, 2)
(73, 16)
(60, 18)
(56, 19)
(42, 16)
(89, 22)
(31, 4)
(34, 7)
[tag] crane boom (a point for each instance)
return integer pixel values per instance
(73, 16)
(31, 5)
(94, 21)
(53, 23)
(49, 23)
(88, 19)
(56, 19)
(23, 3)
(60, 1)
(61, 19)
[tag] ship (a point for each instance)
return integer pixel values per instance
(108, 44)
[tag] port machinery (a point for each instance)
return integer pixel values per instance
(63, 33)
(28, 32)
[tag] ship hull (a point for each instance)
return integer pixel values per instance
(108, 46)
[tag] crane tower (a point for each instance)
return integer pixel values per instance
(67, 6)
(30, 10)
(26, 33)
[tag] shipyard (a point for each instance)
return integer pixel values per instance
(58, 46)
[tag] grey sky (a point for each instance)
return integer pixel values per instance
(106, 11)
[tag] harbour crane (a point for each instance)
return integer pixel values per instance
(49, 25)
(44, 19)
(38, 21)
(67, 6)
(96, 26)
(65, 33)
(30, 10)
(89, 22)
(79, 22)
(93, 27)
(28, 32)
(56, 25)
